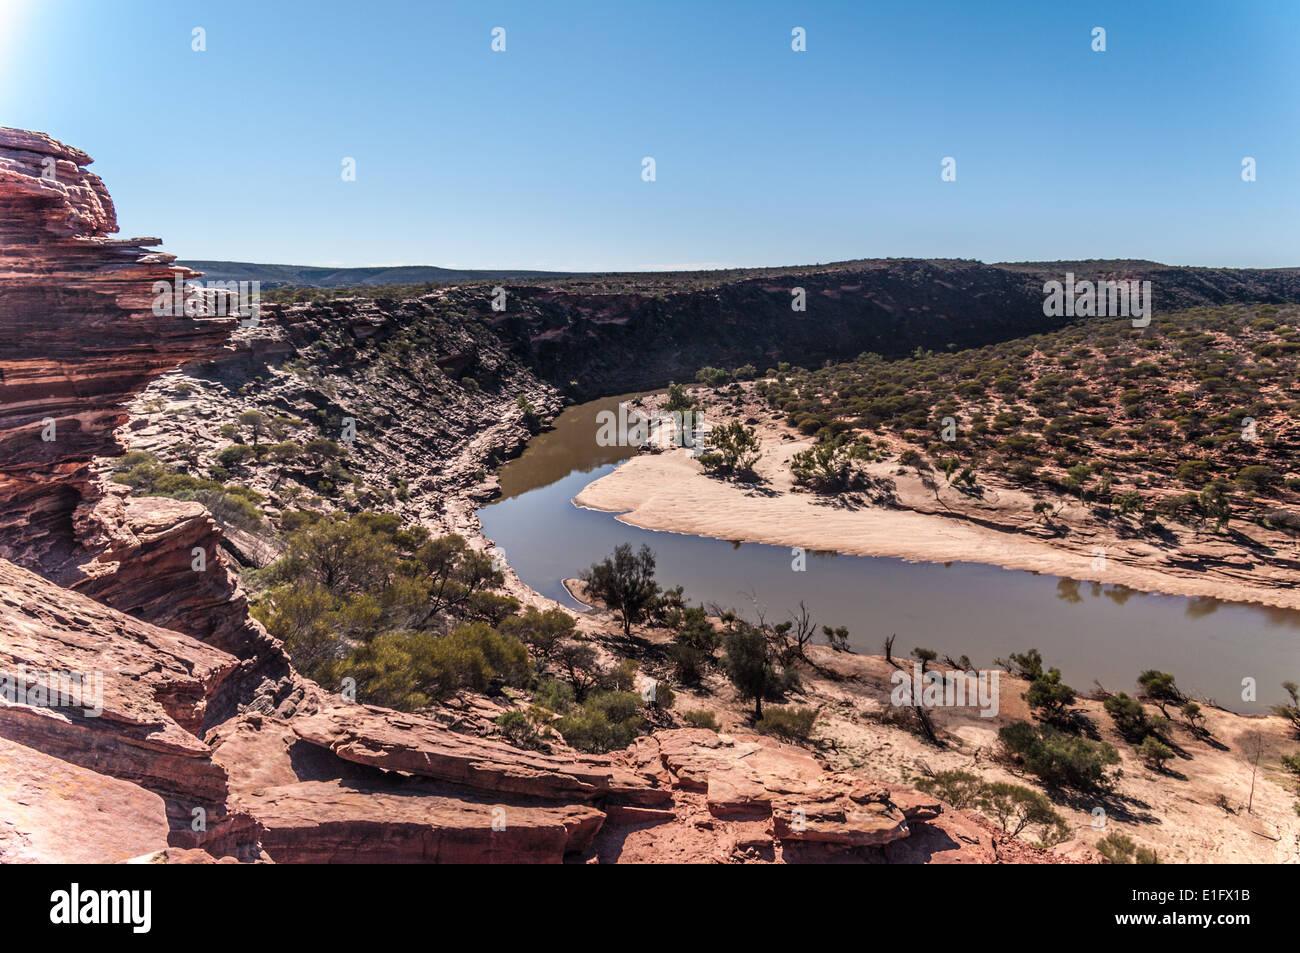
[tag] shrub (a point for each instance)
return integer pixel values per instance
(604, 722)
(961, 789)
(828, 467)
(694, 642)
(1059, 759)
(734, 449)
(788, 724)
(701, 719)
(1016, 808)
(1129, 716)
(541, 631)
(409, 670)
(520, 730)
(678, 399)
(234, 455)
(1050, 697)
(712, 376)
(1120, 849)
(1154, 753)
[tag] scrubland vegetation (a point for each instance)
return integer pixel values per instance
(1188, 420)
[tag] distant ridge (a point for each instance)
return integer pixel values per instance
(310, 276)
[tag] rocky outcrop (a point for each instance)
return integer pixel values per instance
(754, 799)
(78, 338)
(419, 746)
(55, 810)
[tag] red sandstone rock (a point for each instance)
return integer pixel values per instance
(78, 337)
(414, 744)
(52, 811)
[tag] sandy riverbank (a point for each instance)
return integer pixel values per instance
(669, 491)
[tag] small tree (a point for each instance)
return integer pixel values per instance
(1154, 753)
(625, 582)
(1027, 665)
(1050, 697)
(749, 664)
(1194, 717)
(798, 631)
(837, 638)
(924, 656)
(1253, 748)
(255, 422)
(1159, 687)
(577, 661)
(734, 449)
(1016, 807)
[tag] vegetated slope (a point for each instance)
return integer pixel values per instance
(1193, 418)
(600, 335)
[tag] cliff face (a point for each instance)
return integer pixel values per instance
(611, 340)
(78, 337)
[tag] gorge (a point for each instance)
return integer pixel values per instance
(211, 743)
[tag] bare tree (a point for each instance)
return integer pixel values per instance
(801, 629)
(1253, 747)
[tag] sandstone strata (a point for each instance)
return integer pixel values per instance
(78, 337)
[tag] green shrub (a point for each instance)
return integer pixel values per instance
(961, 789)
(700, 719)
(604, 722)
(1120, 849)
(1154, 753)
(410, 670)
(1057, 758)
(788, 724)
(1129, 716)
(521, 731)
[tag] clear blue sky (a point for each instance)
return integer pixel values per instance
(532, 157)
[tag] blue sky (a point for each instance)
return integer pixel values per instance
(531, 158)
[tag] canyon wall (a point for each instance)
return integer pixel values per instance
(590, 338)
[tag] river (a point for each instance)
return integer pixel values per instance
(1106, 633)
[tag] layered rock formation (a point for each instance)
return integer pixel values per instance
(78, 337)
